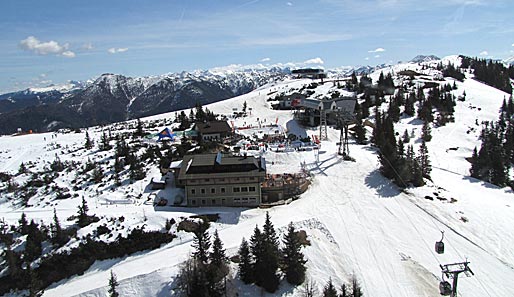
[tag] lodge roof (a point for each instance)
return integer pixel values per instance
(212, 127)
(221, 164)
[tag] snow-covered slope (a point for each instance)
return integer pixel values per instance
(357, 221)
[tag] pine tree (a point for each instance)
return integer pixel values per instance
(329, 290)
(139, 129)
(245, 263)
(201, 242)
(97, 174)
(360, 132)
(258, 252)
(406, 138)
(409, 104)
(269, 279)
(356, 289)
(83, 218)
(309, 289)
(22, 169)
(475, 165)
(89, 143)
(426, 132)
(113, 284)
(24, 224)
(345, 292)
(217, 256)
(104, 142)
(33, 243)
(58, 235)
(424, 162)
(293, 262)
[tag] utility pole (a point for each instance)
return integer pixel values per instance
(453, 271)
(323, 135)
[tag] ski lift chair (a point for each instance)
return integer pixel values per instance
(439, 245)
(445, 288)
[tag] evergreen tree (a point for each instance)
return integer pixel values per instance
(475, 169)
(293, 260)
(309, 289)
(356, 289)
(405, 137)
(217, 256)
(360, 132)
(33, 247)
(83, 218)
(329, 290)
(409, 104)
(245, 263)
(24, 224)
(270, 279)
(139, 129)
(22, 169)
(97, 174)
(113, 284)
(201, 242)
(426, 134)
(104, 142)
(345, 292)
(424, 162)
(89, 143)
(244, 107)
(59, 237)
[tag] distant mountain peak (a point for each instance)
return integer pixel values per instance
(423, 58)
(509, 61)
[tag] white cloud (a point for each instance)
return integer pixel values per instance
(377, 50)
(377, 56)
(289, 4)
(513, 44)
(484, 53)
(113, 50)
(68, 54)
(314, 61)
(265, 59)
(367, 58)
(33, 44)
(88, 46)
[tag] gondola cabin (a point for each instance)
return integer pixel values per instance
(445, 288)
(439, 247)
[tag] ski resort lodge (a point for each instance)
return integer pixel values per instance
(222, 180)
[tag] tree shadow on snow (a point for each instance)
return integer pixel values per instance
(384, 187)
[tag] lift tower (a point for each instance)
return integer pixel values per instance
(453, 271)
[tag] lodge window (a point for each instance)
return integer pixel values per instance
(252, 189)
(206, 179)
(193, 191)
(237, 189)
(193, 202)
(213, 201)
(222, 190)
(202, 191)
(203, 201)
(213, 191)
(244, 189)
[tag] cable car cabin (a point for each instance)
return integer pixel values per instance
(439, 247)
(445, 288)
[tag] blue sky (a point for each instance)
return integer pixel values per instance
(44, 42)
